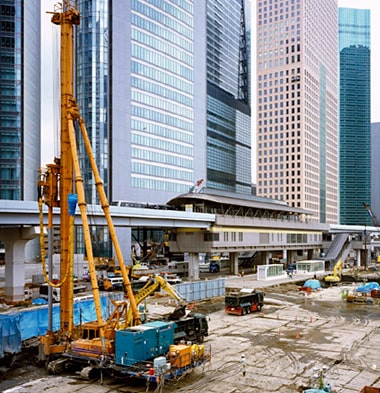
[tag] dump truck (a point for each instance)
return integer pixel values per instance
(243, 301)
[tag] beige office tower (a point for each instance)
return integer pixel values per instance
(297, 104)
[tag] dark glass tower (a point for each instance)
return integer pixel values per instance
(355, 116)
(228, 105)
(19, 99)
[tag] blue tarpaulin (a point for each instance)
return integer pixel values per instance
(18, 326)
(313, 284)
(10, 334)
(368, 287)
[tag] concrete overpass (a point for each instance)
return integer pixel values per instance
(26, 213)
(198, 222)
(19, 223)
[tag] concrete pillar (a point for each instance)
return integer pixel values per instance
(234, 263)
(194, 266)
(124, 236)
(358, 258)
(15, 240)
(266, 257)
(290, 257)
(363, 258)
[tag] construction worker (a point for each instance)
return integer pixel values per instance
(243, 363)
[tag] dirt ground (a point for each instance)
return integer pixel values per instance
(295, 335)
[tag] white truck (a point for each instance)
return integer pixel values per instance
(56, 292)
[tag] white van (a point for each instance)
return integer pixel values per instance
(117, 282)
(56, 292)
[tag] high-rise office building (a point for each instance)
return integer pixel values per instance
(137, 86)
(297, 104)
(228, 101)
(19, 99)
(163, 88)
(375, 170)
(354, 116)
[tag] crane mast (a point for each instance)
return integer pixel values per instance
(67, 19)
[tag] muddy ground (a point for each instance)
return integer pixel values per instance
(294, 335)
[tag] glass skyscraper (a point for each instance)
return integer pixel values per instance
(355, 116)
(163, 89)
(19, 99)
(228, 104)
(162, 86)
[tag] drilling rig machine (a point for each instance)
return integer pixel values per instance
(101, 344)
(62, 181)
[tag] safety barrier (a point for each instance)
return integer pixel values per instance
(198, 290)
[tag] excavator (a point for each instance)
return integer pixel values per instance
(153, 283)
(337, 274)
(99, 344)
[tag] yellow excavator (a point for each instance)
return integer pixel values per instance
(337, 274)
(61, 186)
(153, 283)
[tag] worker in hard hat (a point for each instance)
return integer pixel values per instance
(243, 363)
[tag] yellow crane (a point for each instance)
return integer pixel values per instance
(59, 182)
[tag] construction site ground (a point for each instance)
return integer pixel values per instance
(295, 334)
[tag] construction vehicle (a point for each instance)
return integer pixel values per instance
(243, 301)
(337, 273)
(56, 292)
(56, 189)
(152, 285)
(189, 326)
(95, 346)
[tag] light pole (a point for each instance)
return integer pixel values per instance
(365, 248)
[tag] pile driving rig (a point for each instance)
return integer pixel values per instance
(102, 345)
